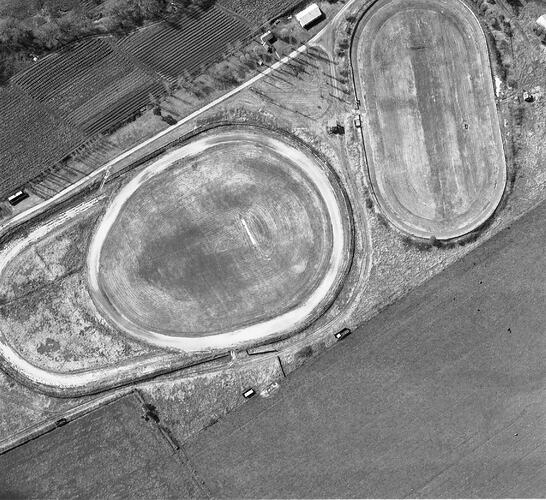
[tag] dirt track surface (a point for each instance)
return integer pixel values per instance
(440, 395)
(233, 237)
(430, 123)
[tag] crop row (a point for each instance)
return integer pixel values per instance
(87, 78)
(171, 50)
(259, 11)
(116, 104)
(45, 76)
(85, 85)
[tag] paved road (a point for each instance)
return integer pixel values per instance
(441, 395)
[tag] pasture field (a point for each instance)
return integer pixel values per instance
(192, 43)
(25, 147)
(233, 237)
(431, 130)
(92, 85)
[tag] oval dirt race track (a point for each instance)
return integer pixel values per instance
(235, 237)
(430, 125)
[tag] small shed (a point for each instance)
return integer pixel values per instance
(541, 21)
(309, 15)
(332, 126)
(357, 121)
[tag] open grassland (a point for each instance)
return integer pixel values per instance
(280, 89)
(32, 136)
(431, 130)
(234, 233)
(172, 49)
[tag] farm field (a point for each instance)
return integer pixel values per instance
(97, 84)
(431, 130)
(25, 147)
(111, 452)
(192, 43)
(91, 85)
(259, 11)
(233, 237)
(441, 395)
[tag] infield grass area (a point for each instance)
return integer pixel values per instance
(233, 237)
(430, 124)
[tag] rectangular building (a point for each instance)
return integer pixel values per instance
(309, 15)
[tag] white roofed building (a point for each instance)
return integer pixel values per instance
(309, 15)
(541, 21)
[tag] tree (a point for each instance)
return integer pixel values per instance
(169, 120)
(154, 100)
(47, 36)
(14, 34)
(168, 86)
(224, 73)
(184, 80)
(125, 16)
(435, 242)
